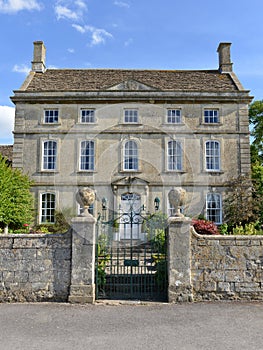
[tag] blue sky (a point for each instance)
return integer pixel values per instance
(161, 34)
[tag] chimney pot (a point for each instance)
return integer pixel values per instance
(225, 64)
(39, 59)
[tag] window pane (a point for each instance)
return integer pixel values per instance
(174, 116)
(49, 155)
(51, 116)
(214, 207)
(175, 155)
(131, 156)
(48, 208)
(131, 116)
(212, 155)
(87, 116)
(87, 154)
(211, 116)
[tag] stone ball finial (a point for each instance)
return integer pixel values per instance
(177, 198)
(85, 197)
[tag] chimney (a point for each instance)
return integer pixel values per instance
(225, 64)
(39, 59)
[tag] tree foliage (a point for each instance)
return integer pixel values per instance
(257, 178)
(256, 121)
(16, 201)
(239, 203)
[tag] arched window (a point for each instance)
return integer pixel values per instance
(214, 207)
(212, 155)
(48, 204)
(175, 155)
(130, 155)
(49, 155)
(87, 153)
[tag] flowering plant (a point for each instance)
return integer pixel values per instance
(26, 226)
(204, 227)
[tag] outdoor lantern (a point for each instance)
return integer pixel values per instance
(104, 203)
(156, 203)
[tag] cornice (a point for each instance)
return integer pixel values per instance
(130, 96)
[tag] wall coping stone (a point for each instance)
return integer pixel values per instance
(35, 235)
(226, 237)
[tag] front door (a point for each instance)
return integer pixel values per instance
(130, 222)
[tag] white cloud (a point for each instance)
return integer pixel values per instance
(121, 4)
(71, 50)
(98, 36)
(13, 6)
(71, 10)
(63, 12)
(22, 68)
(7, 117)
(79, 28)
(81, 4)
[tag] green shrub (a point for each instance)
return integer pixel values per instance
(224, 229)
(103, 257)
(250, 229)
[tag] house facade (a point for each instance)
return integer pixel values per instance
(131, 135)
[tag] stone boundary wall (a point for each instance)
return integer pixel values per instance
(35, 267)
(61, 267)
(226, 267)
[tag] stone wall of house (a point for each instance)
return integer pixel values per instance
(226, 267)
(151, 134)
(35, 267)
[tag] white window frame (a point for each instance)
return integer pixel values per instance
(212, 156)
(130, 156)
(174, 116)
(86, 159)
(214, 207)
(51, 116)
(87, 119)
(49, 158)
(130, 116)
(213, 117)
(47, 212)
(174, 156)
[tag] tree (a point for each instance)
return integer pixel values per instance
(16, 201)
(257, 178)
(239, 203)
(256, 121)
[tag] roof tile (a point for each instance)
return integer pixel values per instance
(103, 79)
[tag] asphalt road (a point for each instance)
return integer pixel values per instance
(211, 326)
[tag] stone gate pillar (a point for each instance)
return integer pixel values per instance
(82, 289)
(179, 260)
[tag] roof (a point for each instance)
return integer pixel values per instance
(105, 79)
(7, 151)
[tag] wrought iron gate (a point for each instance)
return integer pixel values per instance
(131, 257)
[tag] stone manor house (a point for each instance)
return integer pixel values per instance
(131, 135)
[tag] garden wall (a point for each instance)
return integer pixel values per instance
(61, 267)
(226, 267)
(35, 267)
